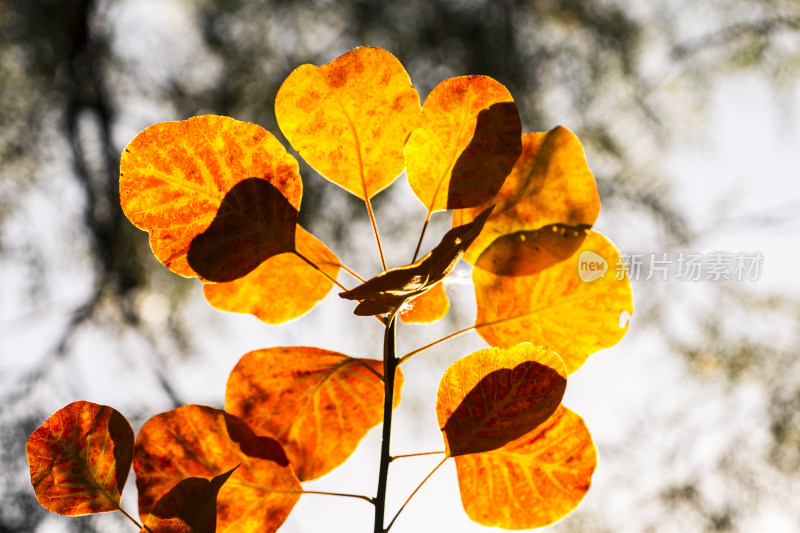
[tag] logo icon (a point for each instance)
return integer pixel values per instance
(591, 266)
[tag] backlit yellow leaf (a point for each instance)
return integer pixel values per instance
(174, 177)
(199, 441)
(319, 404)
(464, 145)
(283, 287)
(550, 184)
(532, 481)
(493, 396)
(556, 308)
(426, 308)
(80, 459)
(350, 118)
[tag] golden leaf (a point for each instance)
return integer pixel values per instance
(317, 403)
(555, 307)
(350, 118)
(532, 481)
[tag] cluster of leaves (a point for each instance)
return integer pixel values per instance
(220, 199)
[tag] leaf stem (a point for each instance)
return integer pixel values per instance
(390, 363)
(415, 454)
(453, 335)
(132, 519)
(343, 494)
(352, 273)
(422, 235)
(375, 229)
(318, 269)
(435, 468)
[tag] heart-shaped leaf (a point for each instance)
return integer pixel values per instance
(319, 404)
(174, 177)
(464, 145)
(188, 507)
(532, 481)
(350, 118)
(495, 395)
(199, 441)
(283, 287)
(388, 290)
(80, 459)
(556, 308)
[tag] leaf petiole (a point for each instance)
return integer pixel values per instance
(371, 214)
(415, 455)
(453, 335)
(435, 468)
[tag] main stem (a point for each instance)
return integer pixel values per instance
(389, 367)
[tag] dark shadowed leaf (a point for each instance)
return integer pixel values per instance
(80, 459)
(390, 289)
(189, 507)
(254, 222)
(495, 395)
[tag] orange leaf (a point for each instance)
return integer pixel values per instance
(350, 118)
(390, 289)
(80, 459)
(283, 287)
(426, 308)
(198, 441)
(550, 184)
(188, 507)
(555, 308)
(319, 404)
(533, 481)
(465, 143)
(493, 396)
(175, 175)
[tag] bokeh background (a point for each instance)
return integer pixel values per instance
(689, 111)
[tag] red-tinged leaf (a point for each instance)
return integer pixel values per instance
(350, 118)
(464, 145)
(283, 287)
(188, 507)
(80, 459)
(198, 441)
(556, 308)
(532, 481)
(495, 395)
(426, 308)
(174, 177)
(388, 290)
(319, 404)
(551, 184)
